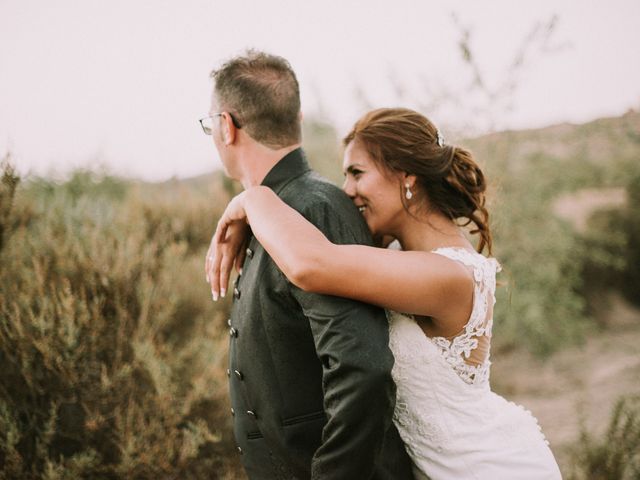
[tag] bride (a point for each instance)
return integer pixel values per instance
(438, 291)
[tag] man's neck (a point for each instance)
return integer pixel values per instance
(258, 160)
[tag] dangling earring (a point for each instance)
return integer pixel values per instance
(408, 194)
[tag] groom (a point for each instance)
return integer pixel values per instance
(309, 375)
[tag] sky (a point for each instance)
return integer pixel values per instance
(120, 84)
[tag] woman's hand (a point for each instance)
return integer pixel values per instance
(227, 246)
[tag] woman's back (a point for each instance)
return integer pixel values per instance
(452, 424)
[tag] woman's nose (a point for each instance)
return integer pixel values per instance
(349, 187)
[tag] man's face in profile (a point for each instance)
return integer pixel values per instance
(218, 137)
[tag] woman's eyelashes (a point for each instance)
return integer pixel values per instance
(356, 173)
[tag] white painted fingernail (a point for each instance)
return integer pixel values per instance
(215, 296)
(223, 292)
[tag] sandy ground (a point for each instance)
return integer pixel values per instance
(577, 385)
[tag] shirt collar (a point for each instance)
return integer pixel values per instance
(292, 165)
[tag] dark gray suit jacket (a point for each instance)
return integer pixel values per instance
(310, 375)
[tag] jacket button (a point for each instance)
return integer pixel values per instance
(233, 412)
(233, 332)
(252, 414)
(236, 293)
(239, 450)
(249, 253)
(238, 374)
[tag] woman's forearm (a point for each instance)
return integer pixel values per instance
(298, 248)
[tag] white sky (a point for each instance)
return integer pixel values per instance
(122, 83)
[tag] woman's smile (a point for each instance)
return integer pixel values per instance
(376, 194)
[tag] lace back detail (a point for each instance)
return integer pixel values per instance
(452, 424)
(468, 352)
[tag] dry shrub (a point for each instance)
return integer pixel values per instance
(112, 352)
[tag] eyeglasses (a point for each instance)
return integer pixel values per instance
(207, 122)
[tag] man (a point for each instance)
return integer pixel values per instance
(309, 375)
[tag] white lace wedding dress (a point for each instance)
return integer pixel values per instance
(453, 425)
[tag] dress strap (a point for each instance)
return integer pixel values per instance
(468, 352)
(484, 269)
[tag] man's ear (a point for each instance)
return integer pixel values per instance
(228, 129)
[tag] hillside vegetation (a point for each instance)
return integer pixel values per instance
(113, 354)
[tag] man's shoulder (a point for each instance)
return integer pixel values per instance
(327, 207)
(311, 190)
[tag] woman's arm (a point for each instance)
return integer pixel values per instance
(414, 282)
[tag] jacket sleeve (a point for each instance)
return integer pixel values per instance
(351, 340)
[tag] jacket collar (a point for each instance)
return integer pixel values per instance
(292, 165)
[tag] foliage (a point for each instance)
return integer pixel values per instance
(111, 353)
(552, 271)
(539, 306)
(322, 147)
(114, 357)
(8, 187)
(613, 243)
(617, 453)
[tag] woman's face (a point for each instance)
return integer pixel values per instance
(376, 193)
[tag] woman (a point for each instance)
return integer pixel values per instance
(411, 187)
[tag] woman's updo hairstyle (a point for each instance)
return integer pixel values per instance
(403, 140)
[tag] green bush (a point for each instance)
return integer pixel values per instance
(539, 304)
(612, 243)
(548, 265)
(629, 224)
(615, 455)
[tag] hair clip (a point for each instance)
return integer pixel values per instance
(440, 138)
